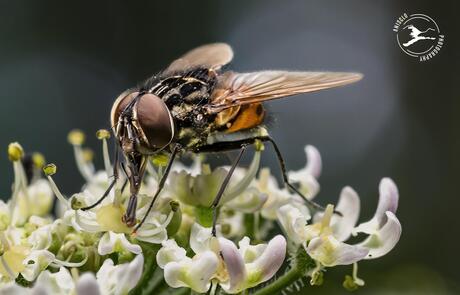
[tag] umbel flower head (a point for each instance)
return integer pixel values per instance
(267, 236)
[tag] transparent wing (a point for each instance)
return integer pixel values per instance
(235, 89)
(212, 56)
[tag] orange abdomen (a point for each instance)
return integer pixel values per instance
(248, 116)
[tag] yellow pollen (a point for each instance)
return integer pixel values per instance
(15, 151)
(76, 137)
(103, 134)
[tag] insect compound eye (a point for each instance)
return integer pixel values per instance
(155, 120)
(119, 105)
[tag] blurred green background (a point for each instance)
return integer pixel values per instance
(62, 63)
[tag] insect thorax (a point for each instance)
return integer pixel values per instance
(185, 94)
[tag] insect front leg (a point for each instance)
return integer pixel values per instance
(112, 184)
(137, 166)
(222, 188)
(161, 184)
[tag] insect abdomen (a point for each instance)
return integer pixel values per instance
(240, 117)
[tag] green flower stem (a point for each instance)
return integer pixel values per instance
(281, 283)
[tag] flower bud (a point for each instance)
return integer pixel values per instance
(176, 220)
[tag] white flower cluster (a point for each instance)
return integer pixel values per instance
(92, 251)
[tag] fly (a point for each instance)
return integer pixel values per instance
(195, 106)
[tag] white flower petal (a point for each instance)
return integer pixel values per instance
(36, 262)
(41, 196)
(309, 187)
(82, 220)
(279, 197)
(250, 252)
(156, 236)
(313, 166)
(307, 177)
(235, 266)
(57, 283)
(179, 185)
(154, 230)
(383, 241)
(235, 221)
(193, 273)
(11, 288)
(113, 242)
(120, 279)
(242, 184)
(349, 206)
(249, 201)
(193, 169)
(388, 201)
(129, 274)
(200, 238)
(269, 262)
(5, 217)
(293, 222)
(41, 237)
(133, 248)
(170, 252)
(330, 252)
(87, 285)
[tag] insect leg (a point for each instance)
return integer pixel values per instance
(112, 184)
(160, 185)
(125, 183)
(221, 191)
(130, 215)
(310, 203)
(137, 167)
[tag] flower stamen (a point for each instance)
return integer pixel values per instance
(103, 135)
(76, 138)
(49, 170)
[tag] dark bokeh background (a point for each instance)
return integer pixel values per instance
(62, 63)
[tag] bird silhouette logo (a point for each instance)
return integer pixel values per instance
(418, 35)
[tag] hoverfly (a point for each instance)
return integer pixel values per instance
(194, 106)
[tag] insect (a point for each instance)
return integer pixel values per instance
(195, 106)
